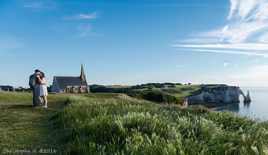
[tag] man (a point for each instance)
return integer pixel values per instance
(32, 84)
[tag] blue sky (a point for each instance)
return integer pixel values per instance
(136, 41)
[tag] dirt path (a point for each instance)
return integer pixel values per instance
(28, 130)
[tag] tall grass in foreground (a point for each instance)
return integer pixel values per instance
(123, 126)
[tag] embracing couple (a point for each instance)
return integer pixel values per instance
(38, 85)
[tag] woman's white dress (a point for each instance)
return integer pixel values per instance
(43, 88)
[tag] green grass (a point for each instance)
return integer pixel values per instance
(165, 93)
(118, 124)
(185, 90)
(174, 95)
(23, 127)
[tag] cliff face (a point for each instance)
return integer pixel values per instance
(215, 95)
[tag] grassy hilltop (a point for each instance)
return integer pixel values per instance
(109, 123)
(167, 93)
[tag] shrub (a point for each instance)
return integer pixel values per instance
(156, 96)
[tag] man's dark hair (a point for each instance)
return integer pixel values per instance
(37, 70)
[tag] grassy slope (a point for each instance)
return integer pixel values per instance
(116, 123)
(122, 126)
(24, 127)
(179, 92)
(186, 90)
(167, 93)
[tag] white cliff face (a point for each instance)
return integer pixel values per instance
(232, 95)
(215, 95)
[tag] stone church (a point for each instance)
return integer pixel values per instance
(70, 84)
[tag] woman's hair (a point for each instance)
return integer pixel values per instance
(37, 80)
(42, 75)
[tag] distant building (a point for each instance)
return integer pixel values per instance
(70, 84)
(6, 88)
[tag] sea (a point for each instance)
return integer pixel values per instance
(257, 109)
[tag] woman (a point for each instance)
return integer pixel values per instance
(42, 88)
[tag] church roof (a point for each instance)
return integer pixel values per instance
(64, 81)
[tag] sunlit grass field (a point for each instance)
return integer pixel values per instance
(118, 124)
(24, 128)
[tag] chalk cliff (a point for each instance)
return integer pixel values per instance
(215, 95)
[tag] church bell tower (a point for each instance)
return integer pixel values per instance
(82, 74)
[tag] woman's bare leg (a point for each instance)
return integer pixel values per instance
(44, 98)
(45, 101)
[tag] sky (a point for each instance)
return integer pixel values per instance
(131, 42)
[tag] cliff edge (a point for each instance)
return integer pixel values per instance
(215, 95)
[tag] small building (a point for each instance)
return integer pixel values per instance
(70, 84)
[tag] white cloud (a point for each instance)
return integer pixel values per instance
(258, 47)
(84, 26)
(34, 5)
(234, 4)
(38, 4)
(234, 52)
(83, 16)
(243, 8)
(87, 16)
(246, 28)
